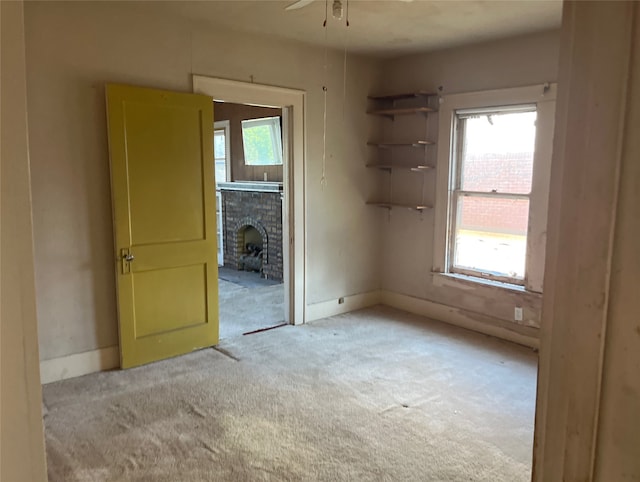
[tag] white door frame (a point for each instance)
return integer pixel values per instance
(292, 103)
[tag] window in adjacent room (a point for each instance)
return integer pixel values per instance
(491, 178)
(262, 141)
(221, 152)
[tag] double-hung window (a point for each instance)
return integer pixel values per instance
(492, 172)
(492, 187)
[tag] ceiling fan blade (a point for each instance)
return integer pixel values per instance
(298, 4)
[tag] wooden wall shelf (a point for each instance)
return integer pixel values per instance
(390, 167)
(408, 95)
(386, 205)
(389, 145)
(401, 111)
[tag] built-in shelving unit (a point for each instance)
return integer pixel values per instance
(405, 104)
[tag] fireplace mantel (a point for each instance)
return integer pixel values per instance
(255, 186)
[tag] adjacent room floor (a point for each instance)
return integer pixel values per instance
(248, 302)
(372, 395)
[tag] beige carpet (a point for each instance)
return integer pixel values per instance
(377, 395)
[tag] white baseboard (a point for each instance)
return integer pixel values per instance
(325, 309)
(78, 364)
(462, 318)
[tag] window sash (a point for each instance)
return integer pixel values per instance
(456, 192)
(452, 268)
(273, 124)
(220, 133)
(507, 109)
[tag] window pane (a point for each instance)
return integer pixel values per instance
(221, 170)
(491, 235)
(497, 152)
(220, 155)
(219, 145)
(261, 139)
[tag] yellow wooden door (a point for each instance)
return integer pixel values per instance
(163, 194)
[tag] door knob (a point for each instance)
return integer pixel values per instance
(126, 257)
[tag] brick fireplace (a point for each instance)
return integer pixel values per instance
(258, 206)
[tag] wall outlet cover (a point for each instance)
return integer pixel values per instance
(517, 314)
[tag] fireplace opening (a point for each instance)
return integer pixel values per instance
(251, 250)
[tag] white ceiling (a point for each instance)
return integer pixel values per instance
(382, 28)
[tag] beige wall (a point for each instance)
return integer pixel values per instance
(408, 236)
(72, 50)
(511, 62)
(235, 114)
(22, 442)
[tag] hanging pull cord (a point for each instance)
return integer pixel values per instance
(347, 16)
(326, 16)
(323, 179)
(344, 66)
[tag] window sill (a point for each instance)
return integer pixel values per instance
(462, 280)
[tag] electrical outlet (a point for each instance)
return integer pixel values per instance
(517, 314)
(341, 300)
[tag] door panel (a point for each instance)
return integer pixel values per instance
(163, 192)
(158, 166)
(156, 308)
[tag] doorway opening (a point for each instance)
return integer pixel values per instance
(288, 191)
(250, 162)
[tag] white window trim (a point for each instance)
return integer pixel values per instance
(224, 124)
(544, 97)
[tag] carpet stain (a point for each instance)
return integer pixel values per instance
(195, 410)
(209, 448)
(226, 353)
